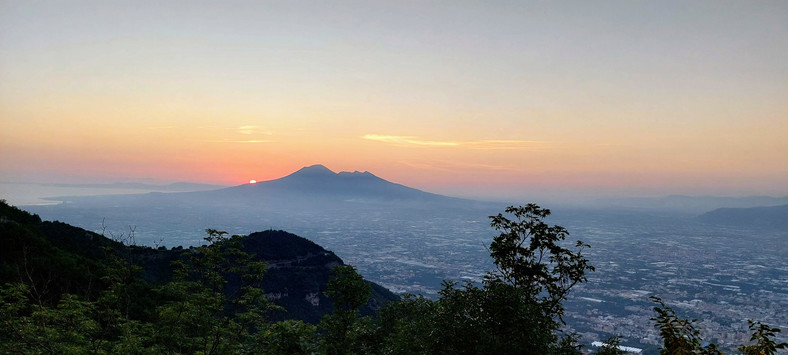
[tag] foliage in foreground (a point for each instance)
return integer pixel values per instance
(214, 305)
(680, 336)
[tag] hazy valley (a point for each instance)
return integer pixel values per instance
(409, 241)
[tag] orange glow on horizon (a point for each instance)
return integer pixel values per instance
(157, 99)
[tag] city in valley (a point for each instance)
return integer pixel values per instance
(719, 275)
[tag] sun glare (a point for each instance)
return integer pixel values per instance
(252, 181)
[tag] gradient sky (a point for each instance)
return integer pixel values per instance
(466, 98)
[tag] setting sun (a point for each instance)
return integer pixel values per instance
(403, 148)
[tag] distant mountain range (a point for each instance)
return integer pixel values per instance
(690, 204)
(766, 217)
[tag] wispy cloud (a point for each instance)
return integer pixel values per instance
(247, 134)
(476, 144)
(252, 130)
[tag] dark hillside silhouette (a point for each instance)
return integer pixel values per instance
(61, 258)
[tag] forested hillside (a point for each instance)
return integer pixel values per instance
(67, 290)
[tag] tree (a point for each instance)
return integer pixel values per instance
(347, 289)
(516, 309)
(292, 337)
(679, 335)
(763, 336)
(344, 330)
(611, 347)
(406, 326)
(530, 258)
(215, 301)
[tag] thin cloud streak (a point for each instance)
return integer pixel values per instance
(497, 144)
(252, 130)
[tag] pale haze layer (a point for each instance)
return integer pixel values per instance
(472, 99)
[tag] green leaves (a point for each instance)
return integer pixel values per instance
(202, 312)
(68, 328)
(763, 336)
(343, 330)
(679, 335)
(611, 347)
(529, 256)
(214, 303)
(515, 310)
(289, 337)
(347, 289)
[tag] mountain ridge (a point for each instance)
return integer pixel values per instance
(772, 217)
(296, 278)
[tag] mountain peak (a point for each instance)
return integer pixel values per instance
(314, 170)
(356, 173)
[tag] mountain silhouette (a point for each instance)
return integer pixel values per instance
(306, 201)
(309, 188)
(319, 183)
(774, 217)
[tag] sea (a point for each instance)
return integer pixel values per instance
(40, 194)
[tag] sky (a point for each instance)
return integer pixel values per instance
(622, 98)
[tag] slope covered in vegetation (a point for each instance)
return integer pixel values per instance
(66, 290)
